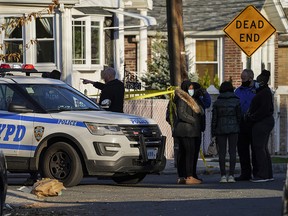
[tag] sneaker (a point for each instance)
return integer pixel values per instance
(223, 179)
(181, 181)
(257, 180)
(191, 180)
(231, 179)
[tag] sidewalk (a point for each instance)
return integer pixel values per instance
(212, 167)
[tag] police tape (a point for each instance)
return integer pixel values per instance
(147, 94)
(143, 94)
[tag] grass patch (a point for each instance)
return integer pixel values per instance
(274, 159)
(279, 160)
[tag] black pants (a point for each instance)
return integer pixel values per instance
(260, 134)
(187, 157)
(221, 141)
(244, 150)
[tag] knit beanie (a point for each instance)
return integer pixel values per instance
(263, 78)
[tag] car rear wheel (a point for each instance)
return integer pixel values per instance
(62, 162)
(129, 179)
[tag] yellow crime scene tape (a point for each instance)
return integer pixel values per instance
(143, 94)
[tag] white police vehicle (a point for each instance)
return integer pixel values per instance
(48, 126)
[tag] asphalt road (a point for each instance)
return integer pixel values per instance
(155, 195)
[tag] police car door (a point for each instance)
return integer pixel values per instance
(16, 122)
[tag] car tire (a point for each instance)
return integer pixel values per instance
(129, 179)
(62, 162)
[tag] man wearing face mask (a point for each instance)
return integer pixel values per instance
(112, 91)
(246, 93)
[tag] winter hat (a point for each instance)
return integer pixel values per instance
(263, 78)
(196, 85)
(185, 85)
(226, 86)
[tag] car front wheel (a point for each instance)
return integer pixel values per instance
(62, 162)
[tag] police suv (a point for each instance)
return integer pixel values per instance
(50, 127)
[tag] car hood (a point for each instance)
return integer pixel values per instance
(105, 117)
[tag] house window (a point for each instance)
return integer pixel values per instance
(207, 58)
(79, 53)
(45, 40)
(95, 46)
(13, 40)
(86, 41)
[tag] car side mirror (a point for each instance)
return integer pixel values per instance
(19, 108)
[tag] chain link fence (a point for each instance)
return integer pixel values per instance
(156, 109)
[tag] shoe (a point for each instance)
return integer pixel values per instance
(191, 180)
(196, 177)
(257, 180)
(223, 179)
(242, 178)
(181, 181)
(231, 179)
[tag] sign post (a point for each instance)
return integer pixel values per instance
(249, 30)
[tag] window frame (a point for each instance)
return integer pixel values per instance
(88, 30)
(29, 34)
(3, 39)
(219, 58)
(54, 39)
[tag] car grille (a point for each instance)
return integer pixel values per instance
(151, 133)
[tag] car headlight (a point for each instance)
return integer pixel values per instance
(103, 129)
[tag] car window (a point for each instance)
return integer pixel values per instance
(58, 98)
(8, 95)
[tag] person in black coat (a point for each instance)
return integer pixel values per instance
(188, 131)
(112, 92)
(226, 117)
(260, 115)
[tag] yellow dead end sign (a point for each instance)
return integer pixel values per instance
(249, 30)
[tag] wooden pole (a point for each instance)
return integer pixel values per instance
(176, 45)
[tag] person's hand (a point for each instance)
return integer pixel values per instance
(85, 81)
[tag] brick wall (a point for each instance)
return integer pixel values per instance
(130, 53)
(232, 61)
(282, 78)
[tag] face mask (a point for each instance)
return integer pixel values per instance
(246, 84)
(257, 85)
(191, 92)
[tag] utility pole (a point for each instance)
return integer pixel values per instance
(176, 45)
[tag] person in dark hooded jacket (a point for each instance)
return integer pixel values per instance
(188, 131)
(226, 117)
(260, 116)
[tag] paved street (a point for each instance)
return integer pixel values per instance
(156, 195)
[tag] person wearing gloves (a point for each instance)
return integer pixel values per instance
(188, 131)
(260, 116)
(112, 91)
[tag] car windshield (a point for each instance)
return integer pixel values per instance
(55, 98)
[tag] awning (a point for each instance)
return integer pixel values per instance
(147, 20)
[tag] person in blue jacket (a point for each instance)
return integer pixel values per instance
(246, 93)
